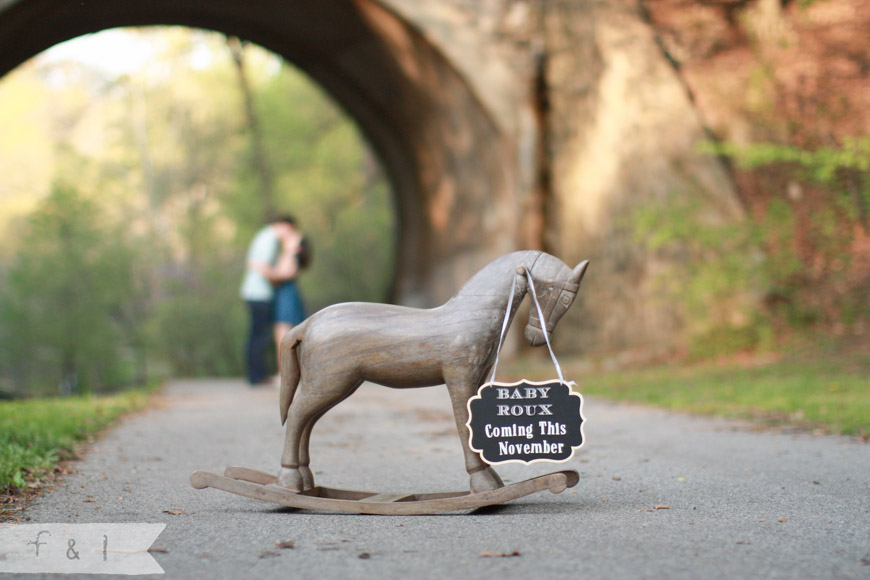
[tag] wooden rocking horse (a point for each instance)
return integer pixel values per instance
(327, 357)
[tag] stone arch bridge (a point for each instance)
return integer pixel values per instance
(502, 124)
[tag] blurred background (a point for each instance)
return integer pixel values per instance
(138, 164)
(711, 158)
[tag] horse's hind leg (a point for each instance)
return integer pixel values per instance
(308, 406)
(304, 454)
(302, 472)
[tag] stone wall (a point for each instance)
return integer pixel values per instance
(624, 139)
(601, 126)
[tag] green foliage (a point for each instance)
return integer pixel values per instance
(136, 267)
(823, 163)
(827, 390)
(827, 231)
(792, 392)
(726, 340)
(762, 254)
(36, 434)
(357, 246)
(199, 328)
(713, 272)
(60, 294)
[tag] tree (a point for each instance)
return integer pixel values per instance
(259, 159)
(171, 162)
(60, 292)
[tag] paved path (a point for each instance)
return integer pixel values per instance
(741, 504)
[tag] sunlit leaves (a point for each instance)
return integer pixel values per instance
(60, 294)
(135, 263)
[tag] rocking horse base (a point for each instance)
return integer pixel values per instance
(261, 485)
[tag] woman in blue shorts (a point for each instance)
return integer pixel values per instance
(289, 308)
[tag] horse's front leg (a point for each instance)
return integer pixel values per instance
(483, 477)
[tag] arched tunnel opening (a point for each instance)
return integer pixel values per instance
(444, 156)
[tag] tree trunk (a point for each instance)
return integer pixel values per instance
(259, 160)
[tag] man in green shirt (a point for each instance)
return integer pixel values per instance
(257, 291)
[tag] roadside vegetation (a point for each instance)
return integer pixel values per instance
(828, 393)
(37, 434)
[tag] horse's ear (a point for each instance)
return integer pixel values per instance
(579, 271)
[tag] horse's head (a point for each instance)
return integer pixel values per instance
(556, 286)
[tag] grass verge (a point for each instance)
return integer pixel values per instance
(36, 434)
(830, 393)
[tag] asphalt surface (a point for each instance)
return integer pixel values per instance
(660, 495)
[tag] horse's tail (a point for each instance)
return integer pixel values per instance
(290, 371)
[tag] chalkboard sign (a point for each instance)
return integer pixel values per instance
(525, 422)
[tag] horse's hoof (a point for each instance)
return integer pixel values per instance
(291, 478)
(307, 477)
(485, 480)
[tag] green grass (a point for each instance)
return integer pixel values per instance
(37, 433)
(830, 393)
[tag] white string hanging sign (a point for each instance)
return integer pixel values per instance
(526, 421)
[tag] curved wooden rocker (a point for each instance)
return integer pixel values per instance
(262, 486)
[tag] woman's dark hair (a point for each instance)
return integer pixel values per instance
(286, 218)
(303, 256)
